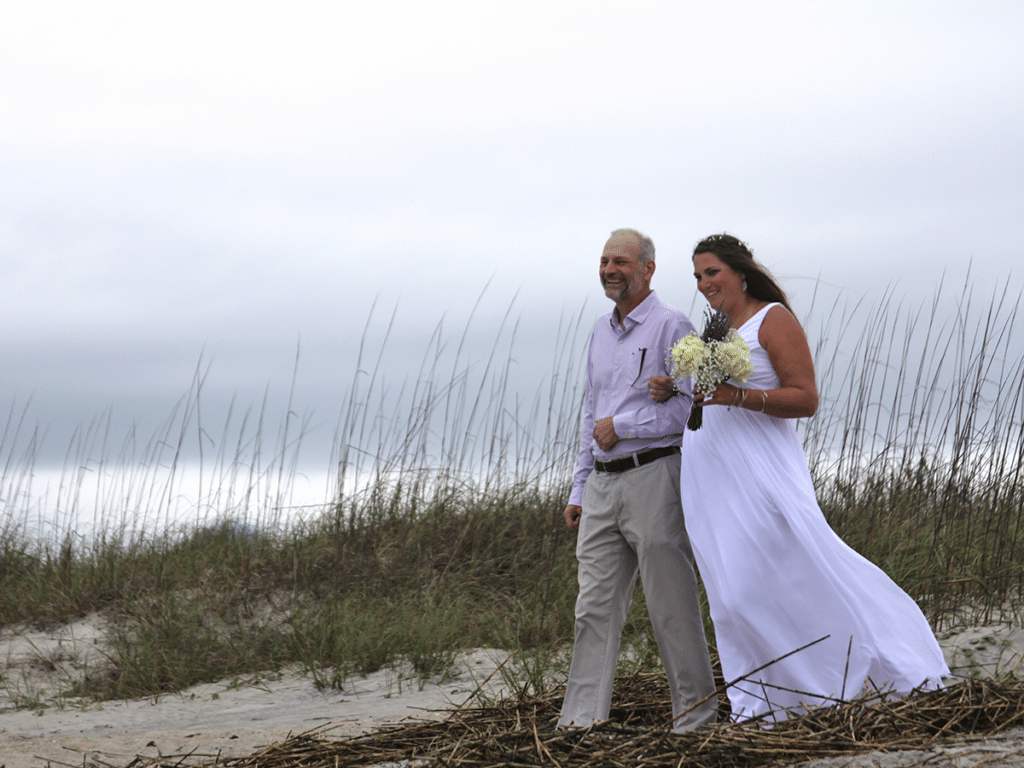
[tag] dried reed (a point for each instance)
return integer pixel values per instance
(520, 732)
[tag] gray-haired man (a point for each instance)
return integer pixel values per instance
(625, 500)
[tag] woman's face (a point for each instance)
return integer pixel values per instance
(721, 285)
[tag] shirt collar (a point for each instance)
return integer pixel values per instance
(637, 316)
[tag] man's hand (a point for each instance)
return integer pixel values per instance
(661, 388)
(604, 433)
(572, 515)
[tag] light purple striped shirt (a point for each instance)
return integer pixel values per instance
(619, 363)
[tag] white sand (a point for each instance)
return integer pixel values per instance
(231, 718)
(235, 718)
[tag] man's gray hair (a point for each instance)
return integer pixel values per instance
(646, 244)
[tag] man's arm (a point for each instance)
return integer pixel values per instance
(655, 419)
(585, 456)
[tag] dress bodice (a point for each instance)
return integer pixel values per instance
(764, 376)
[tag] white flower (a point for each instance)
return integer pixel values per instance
(733, 356)
(686, 355)
(711, 362)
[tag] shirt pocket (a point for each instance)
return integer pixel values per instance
(642, 365)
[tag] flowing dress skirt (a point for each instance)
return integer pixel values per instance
(777, 576)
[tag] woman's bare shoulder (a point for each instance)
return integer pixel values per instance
(779, 322)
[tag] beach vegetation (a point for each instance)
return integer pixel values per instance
(443, 531)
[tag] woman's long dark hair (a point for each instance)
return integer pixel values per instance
(738, 256)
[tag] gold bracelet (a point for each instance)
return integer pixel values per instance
(764, 400)
(743, 396)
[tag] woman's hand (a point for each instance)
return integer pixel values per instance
(661, 388)
(724, 394)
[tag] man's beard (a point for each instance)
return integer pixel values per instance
(630, 287)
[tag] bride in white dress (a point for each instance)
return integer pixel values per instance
(777, 577)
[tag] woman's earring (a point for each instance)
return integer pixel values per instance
(744, 286)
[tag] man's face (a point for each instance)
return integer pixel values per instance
(622, 274)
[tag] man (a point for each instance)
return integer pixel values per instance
(625, 500)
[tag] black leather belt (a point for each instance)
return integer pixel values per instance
(634, 460)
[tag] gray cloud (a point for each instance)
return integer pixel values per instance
(229, 198)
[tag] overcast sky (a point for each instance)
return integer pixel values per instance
(233, 182)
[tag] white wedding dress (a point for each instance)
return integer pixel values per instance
(778, 577)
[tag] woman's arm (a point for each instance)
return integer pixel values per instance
(797, 395)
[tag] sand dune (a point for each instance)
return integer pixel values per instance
(236, 717)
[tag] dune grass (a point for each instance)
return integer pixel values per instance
(918, 451)
(445, 531)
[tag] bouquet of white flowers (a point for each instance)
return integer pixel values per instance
(716, 355)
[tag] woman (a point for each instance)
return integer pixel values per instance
(777, 577)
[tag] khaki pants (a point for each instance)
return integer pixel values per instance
(633, 521)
